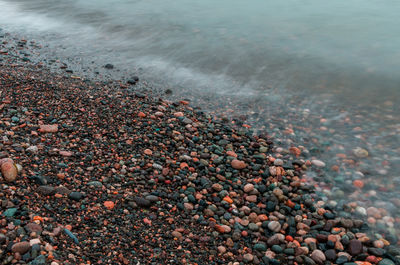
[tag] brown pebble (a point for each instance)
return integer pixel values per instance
(9, 171)
(21, 247)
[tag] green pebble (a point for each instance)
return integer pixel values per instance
(10, 212)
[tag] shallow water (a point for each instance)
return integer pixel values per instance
(348, 48)
(327, 70)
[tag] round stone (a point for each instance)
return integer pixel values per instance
(274, 226)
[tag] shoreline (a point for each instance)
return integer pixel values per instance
(169, 190)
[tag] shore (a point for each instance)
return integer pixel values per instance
(110, 175)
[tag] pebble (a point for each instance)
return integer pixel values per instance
(9, 171)
(32, 149)
(318, 163)
(274, 226)
(76, 196)
(248, 188)
(318, 256)
(360, 152)
(248, 257)
(142, 202)
(386, 262)
(21, 247)
(237, 164)
(355, 247)
(53, 128)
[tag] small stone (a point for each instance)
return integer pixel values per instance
(176, 234)
(39, 260)
(21, 247)
(248, 188)
(49, 128)
(260, 247)
(76, 196)
(10, 212)
(32, 149)
(386, 262)
(278, 162)
(109, 66)
(142, 202)
(217, 187)
(355, 247)
(152, 198)
(318, 256)
(188, 206)
(33, 227)
(34, 241)
(95, 184)
(274, 226)
(330, 254)
(9, 171)
(46, 190)
(109, 205)
(248, 257)
(360, 152)
(318, 163)
(237, 164)
(251, 198)
(221, 249)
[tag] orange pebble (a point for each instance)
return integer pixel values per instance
(141, 115)
(289, 238)
(228, 200)
(38, 218)
(109, 205)
(358, 183)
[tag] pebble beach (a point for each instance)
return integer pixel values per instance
(99, 172)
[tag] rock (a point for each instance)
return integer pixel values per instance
(386, 262)
(142, 202)
(221, 249)
(330, 254)
(52, 128)
(274, 226)
(133, 80)
(188, 206)
(10, 212)
(109, 205)
(9, 171)
(46, 190)
(318, 163)
(251, 198)
(176, 234)
(95, 183)
(39, 260)
(71, 235)
(260, 247)
(62, 190)
(65, 153)
(355, 247)
(237, 164)
(109, 66)
(318, 256)
(32, 149)
(21, 247)
(76, 196)
(248, 257)
(3, 239)
(33, 227)
(217, 187)
(360, 152)
(248, 188)
(152, 198)
(278, 162)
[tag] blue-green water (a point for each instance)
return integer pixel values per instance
(347, 48)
